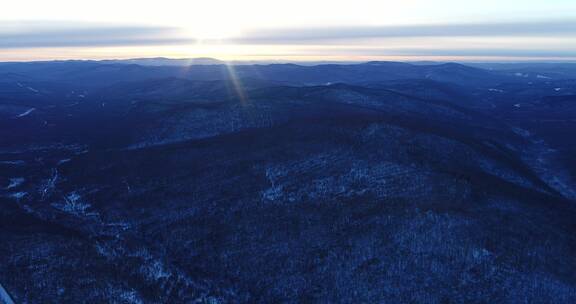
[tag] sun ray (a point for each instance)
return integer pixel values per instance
(236, 83)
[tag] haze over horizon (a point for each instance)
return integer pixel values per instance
(300, 30)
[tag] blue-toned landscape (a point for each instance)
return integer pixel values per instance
(379, 182)
(257, 151)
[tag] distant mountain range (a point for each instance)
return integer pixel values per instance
(98, 73)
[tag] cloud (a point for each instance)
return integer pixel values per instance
(490, 39)
(455, 52)
(57, 34)
(352, 33)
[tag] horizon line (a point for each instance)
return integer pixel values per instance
(412, 59)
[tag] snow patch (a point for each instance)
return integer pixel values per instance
(62, 161)
(73, 204)
(15, 182)
(18, 195)
(13, 162)
(522, 132)
(4, 296)
(29, 88)
(49, 184)
(27, 112)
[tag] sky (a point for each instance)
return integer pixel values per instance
(300, 30)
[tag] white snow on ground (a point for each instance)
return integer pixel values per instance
(27, 112)
(18, 195)
(521, 132)
(29, 88)
(49, 184)
(73, 204)
(546, 163)
(62, 161)
(15, 182)
(72, 104)
(4, 296)
(13, 162)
